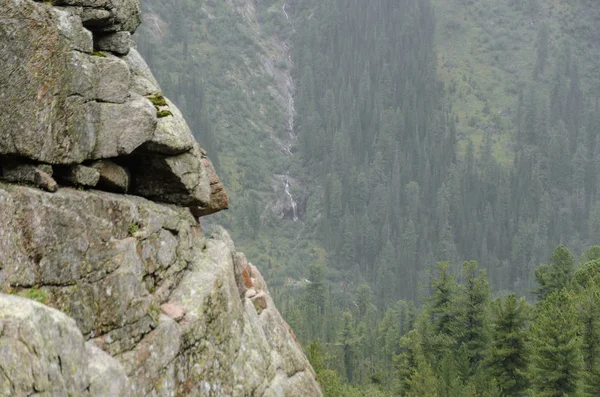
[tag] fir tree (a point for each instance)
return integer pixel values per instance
(508, 359)
(555, 275)
(556, 356)
(474, 315)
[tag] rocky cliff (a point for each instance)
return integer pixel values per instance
(110, 287)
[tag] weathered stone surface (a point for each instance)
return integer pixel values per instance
(112, 177)
(105, 79)
(43, 353)
(127, 14)
(239, 264)
(80, 175)
(94, 18)
(77, 247)
(31, 174)
(118, 42)
(123, 128)
(113, 79)
(124, 14)
(218, 197)
(139, 280)
(187, 179)
(259, 301)
(36, 44)
(172, 135)
(55, 121)
(172, 310)
(143, 82)
(70, 26)
(93, 254)
(107, 376)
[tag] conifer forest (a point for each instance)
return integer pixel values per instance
(417, 180)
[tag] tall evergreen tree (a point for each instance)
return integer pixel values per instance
(555, 342)
(555, 275)
(508, 359)
(473, 317)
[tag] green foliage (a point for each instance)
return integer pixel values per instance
(555, 342)
(442, 303)
(158, 100)
(509, 358)
(98, 54)
(588, 305)
(556, 275)
(470, 133)
(36, 294)
(473, 317)
(163, 113)
(133, 228)
(154, 312)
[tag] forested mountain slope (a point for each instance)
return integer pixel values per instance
(420, 131)
(228, 66)
(489, 50)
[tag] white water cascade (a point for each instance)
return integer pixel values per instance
(289, 194)
(285, 13)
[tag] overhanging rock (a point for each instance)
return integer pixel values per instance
(76, 105)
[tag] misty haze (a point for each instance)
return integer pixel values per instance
(414, 185)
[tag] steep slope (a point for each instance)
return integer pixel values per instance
(490, 50)
(426, 131)
(150, 305)
(230, 61)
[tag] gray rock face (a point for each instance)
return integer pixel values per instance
(53, 82)
(112, 177)
(148, 305)
(36, 44)
(123, 128)
(94, 18)
(42, 352)
(80, 175)
(141, 260)
(30, 174)
(113, 79)
(123, 15)
(118, 42)
(75, 106)
(143, 82)
(172, 135)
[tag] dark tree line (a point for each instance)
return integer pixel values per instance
(460, 341)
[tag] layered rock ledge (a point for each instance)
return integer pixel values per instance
(75, 93)
(108, 284)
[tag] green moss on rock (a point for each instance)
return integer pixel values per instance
(163, 113)
(158, 100)
(36, 294)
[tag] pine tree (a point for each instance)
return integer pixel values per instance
(442, 302)
(508, 360)
(586, 286)
(589, 315)
(555, 275)
(473, 317)
(556, 356)
(348, 343)
(416, 377)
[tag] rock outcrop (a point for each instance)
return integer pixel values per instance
(43, 353)
(74, 91)
(132, 298)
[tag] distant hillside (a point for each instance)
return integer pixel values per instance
(488, 51)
